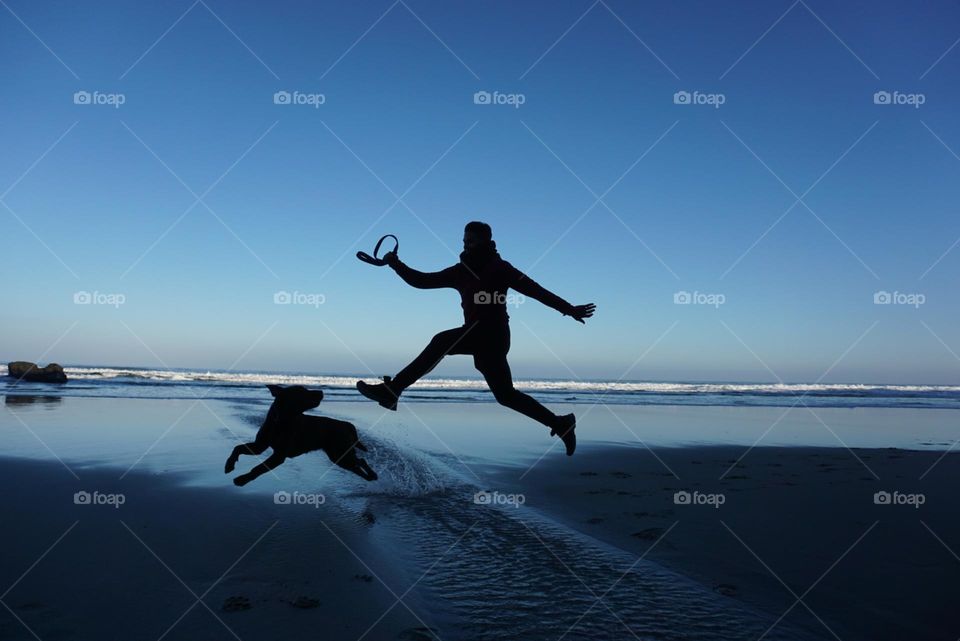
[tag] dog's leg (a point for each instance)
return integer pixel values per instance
(245, 448)
(364, 471)
(272, 461)
(361, 446)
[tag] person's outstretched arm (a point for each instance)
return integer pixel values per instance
(529, 287)
(421, 280)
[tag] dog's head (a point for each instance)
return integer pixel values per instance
(294, 399)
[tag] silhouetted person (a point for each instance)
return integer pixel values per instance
(482, 278)
(291, 433)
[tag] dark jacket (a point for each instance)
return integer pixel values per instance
(483, 287)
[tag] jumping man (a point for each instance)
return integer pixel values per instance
(482, 279)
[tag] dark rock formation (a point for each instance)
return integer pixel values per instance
(26, 371)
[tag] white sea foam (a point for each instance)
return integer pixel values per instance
(465, 384)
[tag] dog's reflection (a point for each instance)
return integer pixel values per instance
(290, 433)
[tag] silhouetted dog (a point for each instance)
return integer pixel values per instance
(291, 434)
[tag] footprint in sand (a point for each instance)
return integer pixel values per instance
(236, 604)
(305, 603)
(418, 634)
(649, 534)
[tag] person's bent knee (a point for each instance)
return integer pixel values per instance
(505, 395)
(445, 337)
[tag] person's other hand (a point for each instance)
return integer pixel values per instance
(391, 258)
(580, 312)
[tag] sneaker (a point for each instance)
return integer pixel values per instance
(381, 392)
(565, 429)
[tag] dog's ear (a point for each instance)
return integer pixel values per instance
(274, 389)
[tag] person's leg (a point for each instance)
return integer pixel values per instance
(491, 361)
(496, 371)
(450, 341)
(458, 340)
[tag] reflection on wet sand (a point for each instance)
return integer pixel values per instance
(32, 399)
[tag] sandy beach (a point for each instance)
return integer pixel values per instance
(479, 532)
(784, 524)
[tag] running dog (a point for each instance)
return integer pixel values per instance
(290, 433)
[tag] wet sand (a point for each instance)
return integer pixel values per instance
(180, 562)
(598, 546)
(775, 524)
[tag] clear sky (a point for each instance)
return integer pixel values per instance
(788, 206)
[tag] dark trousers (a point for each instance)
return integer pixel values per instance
(488, 344)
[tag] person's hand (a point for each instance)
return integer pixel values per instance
(579, 312)
(391, 258)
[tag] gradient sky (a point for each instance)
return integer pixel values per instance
(99, 196)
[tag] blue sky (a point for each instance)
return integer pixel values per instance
(694, 198)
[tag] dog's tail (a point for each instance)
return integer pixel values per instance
(362, 446)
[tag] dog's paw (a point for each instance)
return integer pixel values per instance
(241, 480)
(229, 466)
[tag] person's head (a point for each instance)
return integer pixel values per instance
(476, 234)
